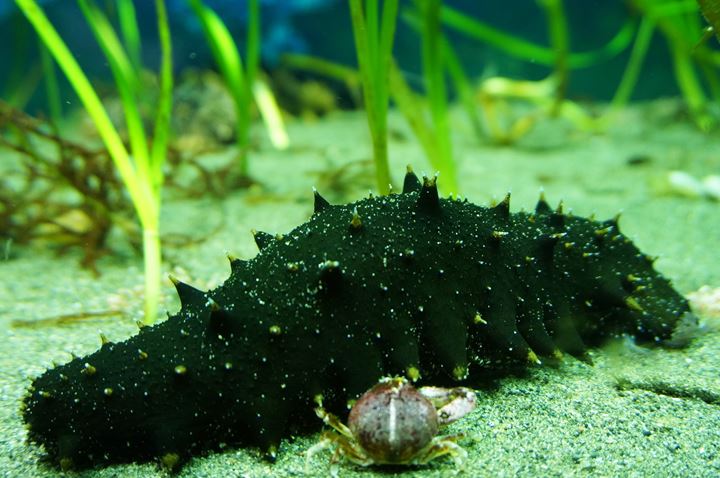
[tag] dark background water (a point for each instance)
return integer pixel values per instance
(322, 28)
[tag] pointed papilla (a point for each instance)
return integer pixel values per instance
(262, 239)
(188, 294)
(557, 218)
(236, 264)
(542, 206)
(220, 318)
(320, 203)
(502, 209)
(428, 200)
(104, 341)
(411, 183)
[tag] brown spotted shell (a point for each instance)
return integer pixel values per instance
(393, 422)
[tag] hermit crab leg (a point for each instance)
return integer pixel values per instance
(352, 451)
(334, 422)
(441, 446)
(325, 442)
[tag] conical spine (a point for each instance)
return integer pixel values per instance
(220, 318)
(502, 209)
(411, 183)
(428, 199)
(188, 294)
(320, 203)
(542, 206)
(236, 264)
(262, 239)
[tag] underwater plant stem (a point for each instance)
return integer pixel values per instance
(632, 70)
(678, 22)
(690, 87)
(414, 112)
(680, 39)
(349, 76)
(463, 86)
(135, 177)
(253, 45)
(455, 70)
(245, 94)
(20, 80)
(319, 65)
(373, 46)
(161, 132)
(227, 57)
(362, 49)
(433, 73)
(139, 194)
(271, 114)
(246, 77)
(126, 80)
(153, 267)
(560, 43)
(529, 51)
(51, 87)
(148, 163)
(130, 32)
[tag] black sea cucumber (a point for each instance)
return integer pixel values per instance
(401, 284)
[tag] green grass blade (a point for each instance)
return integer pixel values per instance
(126, 80)
(463, 86)
(271, 114)
(677, 21)
(52, 87)
(130, 32)
(139, 187)
(413, 109)
(385, 47)
(433, 73)
(319, 65)
(560, 43)
(530, 51)
(66, 61)
(690, 87)
(632, 70)
(228, 59)
(454, 68)
(20, 80)
(371, 33)
(253, 42)
(362, 50)
(164, 109)
(373, 47)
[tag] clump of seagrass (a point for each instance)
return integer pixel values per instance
(69, 195)
(58, 190)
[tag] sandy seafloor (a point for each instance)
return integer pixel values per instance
(571, 420)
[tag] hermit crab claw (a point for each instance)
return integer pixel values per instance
(451, 403)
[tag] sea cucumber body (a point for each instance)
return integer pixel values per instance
(387, 285)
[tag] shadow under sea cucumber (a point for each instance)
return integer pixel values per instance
(406, 284)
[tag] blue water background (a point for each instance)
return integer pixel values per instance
(322, 28)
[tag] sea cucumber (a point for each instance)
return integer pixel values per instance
(440, 290)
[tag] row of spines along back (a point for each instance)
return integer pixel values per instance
(427, 201)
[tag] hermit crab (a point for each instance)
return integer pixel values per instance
(394, 423)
